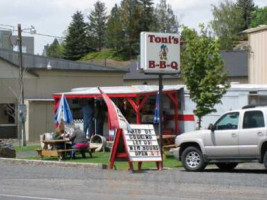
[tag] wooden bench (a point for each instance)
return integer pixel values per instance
(61, 153)
(168, 147)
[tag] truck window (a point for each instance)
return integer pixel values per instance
(227, 121)
(253, 119)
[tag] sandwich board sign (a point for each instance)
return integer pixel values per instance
(160, 53)
(137, 145)
(142, 143)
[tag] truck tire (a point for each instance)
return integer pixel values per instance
(192, 159)
(226, 166)
(265, 160)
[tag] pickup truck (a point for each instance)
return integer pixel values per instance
(237, 136)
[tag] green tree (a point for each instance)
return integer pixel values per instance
(202, 71)
(54, 50)
(114, 32)
(76, 43)
(246, 8)
(259, 17)
(130, 17)
(97, 24)
(147, 15)
(227, 23)
(166, 19)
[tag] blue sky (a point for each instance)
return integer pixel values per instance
(52, 17)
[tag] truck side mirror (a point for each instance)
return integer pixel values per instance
(211, 127)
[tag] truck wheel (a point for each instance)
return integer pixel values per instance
(192, 159)
(226, 166)
(265, 160)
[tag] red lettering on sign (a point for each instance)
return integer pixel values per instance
(166, 40)
(151, 64)
(158, 40)
(174, 65)
(151, 37)
(162, 64)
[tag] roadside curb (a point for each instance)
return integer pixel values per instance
(56, 163)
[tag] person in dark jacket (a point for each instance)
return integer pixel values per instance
(88, 118)
(100, 109)
(79, 141)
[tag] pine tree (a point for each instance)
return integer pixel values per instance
(246, 8)
(166, 19)
(97, 24)
(147, 15)
(76, 40)
(130, 18)
(114, 32)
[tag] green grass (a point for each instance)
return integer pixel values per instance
(103, 158)
(20, 149)
(106, 54)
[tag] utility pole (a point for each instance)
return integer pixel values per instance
(21, 106)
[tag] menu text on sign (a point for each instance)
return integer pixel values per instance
(142, 143)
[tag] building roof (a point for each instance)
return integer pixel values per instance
(235, 64)
(256, 29)
(34, 62)
(119, 90)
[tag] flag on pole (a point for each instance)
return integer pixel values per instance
(156, 114)
(117, 120)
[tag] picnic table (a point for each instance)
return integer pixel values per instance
(168, 140)
(50, 150)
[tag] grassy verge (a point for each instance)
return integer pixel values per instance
(20, 149)
(103, 158)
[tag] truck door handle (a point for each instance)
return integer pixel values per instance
(234, 134)
(260, 134)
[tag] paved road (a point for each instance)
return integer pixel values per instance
(25, 181)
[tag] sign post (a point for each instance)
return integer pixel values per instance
(160, 54)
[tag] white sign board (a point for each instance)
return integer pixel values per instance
(142, 143)
(160, 53)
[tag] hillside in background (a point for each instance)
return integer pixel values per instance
(107, 58)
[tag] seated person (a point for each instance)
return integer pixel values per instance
(59, 135)
(79, 141)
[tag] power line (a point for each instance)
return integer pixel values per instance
(30, 32)
(46, 35)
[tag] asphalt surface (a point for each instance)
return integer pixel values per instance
(45, 182)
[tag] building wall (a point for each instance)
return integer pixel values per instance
(63, 81)
(258, 57)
